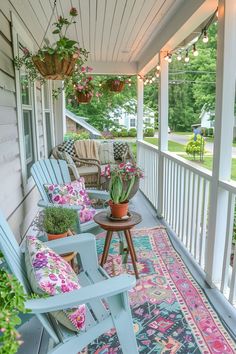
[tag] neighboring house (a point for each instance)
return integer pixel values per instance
(207, 118)
(127, 116)
(75, 123)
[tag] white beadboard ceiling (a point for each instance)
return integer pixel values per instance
(122, 36)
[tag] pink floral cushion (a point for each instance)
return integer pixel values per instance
(50, 274)
(73, 193)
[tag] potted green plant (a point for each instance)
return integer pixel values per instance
(59, 61)
(12, 299)
(57, 221)
(123, 179)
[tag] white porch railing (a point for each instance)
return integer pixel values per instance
(186, 191)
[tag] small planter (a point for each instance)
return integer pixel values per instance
(57, 236)
(119, 210)
(83, 97)
(53, 68)
(116, 85)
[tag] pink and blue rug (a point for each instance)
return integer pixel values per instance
(171, 313)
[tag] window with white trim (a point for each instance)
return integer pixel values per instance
(26, 110)
(132, 122)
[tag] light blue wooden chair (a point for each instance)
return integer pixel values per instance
(96, 286)
(52, 171)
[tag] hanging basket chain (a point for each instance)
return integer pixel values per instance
(49, 22)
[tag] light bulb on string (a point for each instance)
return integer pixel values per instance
(158, 66)
(169, 58)
(166, 57)
(179, 57)
(205, 38)
(195, 52)
(186, 59)
(157, 74)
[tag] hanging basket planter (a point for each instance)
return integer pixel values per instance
(83, 98)
(54, 68)
(115, 85)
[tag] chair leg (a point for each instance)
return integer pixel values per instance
(121, 314)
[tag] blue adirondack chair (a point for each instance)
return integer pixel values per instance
(96, 285)
(52, 171)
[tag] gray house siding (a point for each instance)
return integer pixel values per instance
(18, 206)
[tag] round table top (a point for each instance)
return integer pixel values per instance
(108, 224)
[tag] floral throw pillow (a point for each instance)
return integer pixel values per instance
(50, 274)
(73, 193)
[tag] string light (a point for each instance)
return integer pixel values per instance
(205, 38)
(195, 52)
(157, 74)
(166, 57)
(179, 56)
(158, 66)
(169, 58)
(186, 59)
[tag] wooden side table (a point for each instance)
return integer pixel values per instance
(125, 225)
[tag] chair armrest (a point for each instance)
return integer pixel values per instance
(103, 289)
(44, 204)
(84, 244)
(93, 193)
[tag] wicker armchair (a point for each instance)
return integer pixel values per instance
(90, 169)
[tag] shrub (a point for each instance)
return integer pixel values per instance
(76, 136)
(196, 147)
(149, 132)
(210, 132)
(124, 133)
(107, 135)
(115, 133)
(133, 132)
(58, 220)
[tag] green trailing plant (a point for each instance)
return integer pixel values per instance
(122, 179)
(12, 299)
(64, 48)
(58, 220)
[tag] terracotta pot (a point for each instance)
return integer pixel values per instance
(55, 237)
(119, 210)
(83, 97)
(53, 68)
(116, 85)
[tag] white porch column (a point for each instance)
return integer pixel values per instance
(163, 99)
(59, 114)
(139, 109)
(224, 120)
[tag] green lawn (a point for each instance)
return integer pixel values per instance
(172, 145)
(208, 161)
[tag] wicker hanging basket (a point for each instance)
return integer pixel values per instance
(116, 85)
(54, 68)
(83, 98)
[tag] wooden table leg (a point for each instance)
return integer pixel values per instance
(132, 251)
(131, 240)
(106, 247)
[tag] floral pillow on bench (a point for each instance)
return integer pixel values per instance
(48, 273)
(72, 193)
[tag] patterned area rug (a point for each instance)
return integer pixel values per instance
(171, 313)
